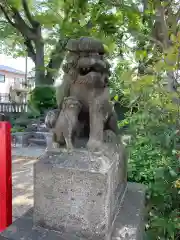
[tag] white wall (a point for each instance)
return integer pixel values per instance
(9, 80)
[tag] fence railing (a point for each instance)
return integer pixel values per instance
(5, 98)
(13, 107)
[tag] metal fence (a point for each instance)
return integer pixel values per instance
(4, 97)
(13, 107)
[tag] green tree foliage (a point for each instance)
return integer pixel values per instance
(42, 28)
(155, 141)
(42, 98)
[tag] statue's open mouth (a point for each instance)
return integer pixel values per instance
(86, 65)
(85, 71)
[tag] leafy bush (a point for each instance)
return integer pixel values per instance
(17, 129)
(42, 98)
(154, 151)
(153, 161)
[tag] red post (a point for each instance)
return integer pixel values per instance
(5, 176)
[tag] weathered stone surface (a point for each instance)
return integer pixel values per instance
(87, 62)
(21, 138)
(38, 139)
(25, 139)
(19, 230)
(3, 238)
(51, 118)
(78, 192)
(86, 77)
(85, 44)
(28, 152)
(128, 225)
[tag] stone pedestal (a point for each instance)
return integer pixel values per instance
(79, 192)
(128, 224)
(21, 138)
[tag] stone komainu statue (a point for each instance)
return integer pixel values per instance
(86, 74)
(64, 124)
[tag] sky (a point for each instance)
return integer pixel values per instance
(17, 63)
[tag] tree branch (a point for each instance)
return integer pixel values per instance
(30, 50)
(57, 56)
(21, 25)
(6, 16)
(28, 14)
(178, 15)
(162, 28)
(152, 39)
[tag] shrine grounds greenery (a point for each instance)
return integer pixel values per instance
(42, 98)
(154, 161)
(154, 149)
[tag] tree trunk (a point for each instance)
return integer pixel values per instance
(172, 83)
(56, 59)
(162, 35)
(39, 63)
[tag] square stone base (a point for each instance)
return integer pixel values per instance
(128, 225)
(77, 192)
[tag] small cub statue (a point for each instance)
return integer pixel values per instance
(65, 125)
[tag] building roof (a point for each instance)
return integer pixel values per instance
(10, 69)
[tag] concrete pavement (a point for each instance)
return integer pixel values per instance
(22, 178)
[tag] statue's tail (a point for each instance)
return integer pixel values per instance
(51, 118)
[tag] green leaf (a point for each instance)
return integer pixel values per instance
(173, 173)
(116, 98)
(15, 3)
(141, 54)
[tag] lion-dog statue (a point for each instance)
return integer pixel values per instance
(86, 74)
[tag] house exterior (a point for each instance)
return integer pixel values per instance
(11, 79)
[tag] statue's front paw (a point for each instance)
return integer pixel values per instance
(94, 145)
(53, 147)
(70, 150)
(69, 147)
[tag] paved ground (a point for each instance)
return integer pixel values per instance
(32, 152)
(22, 177)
